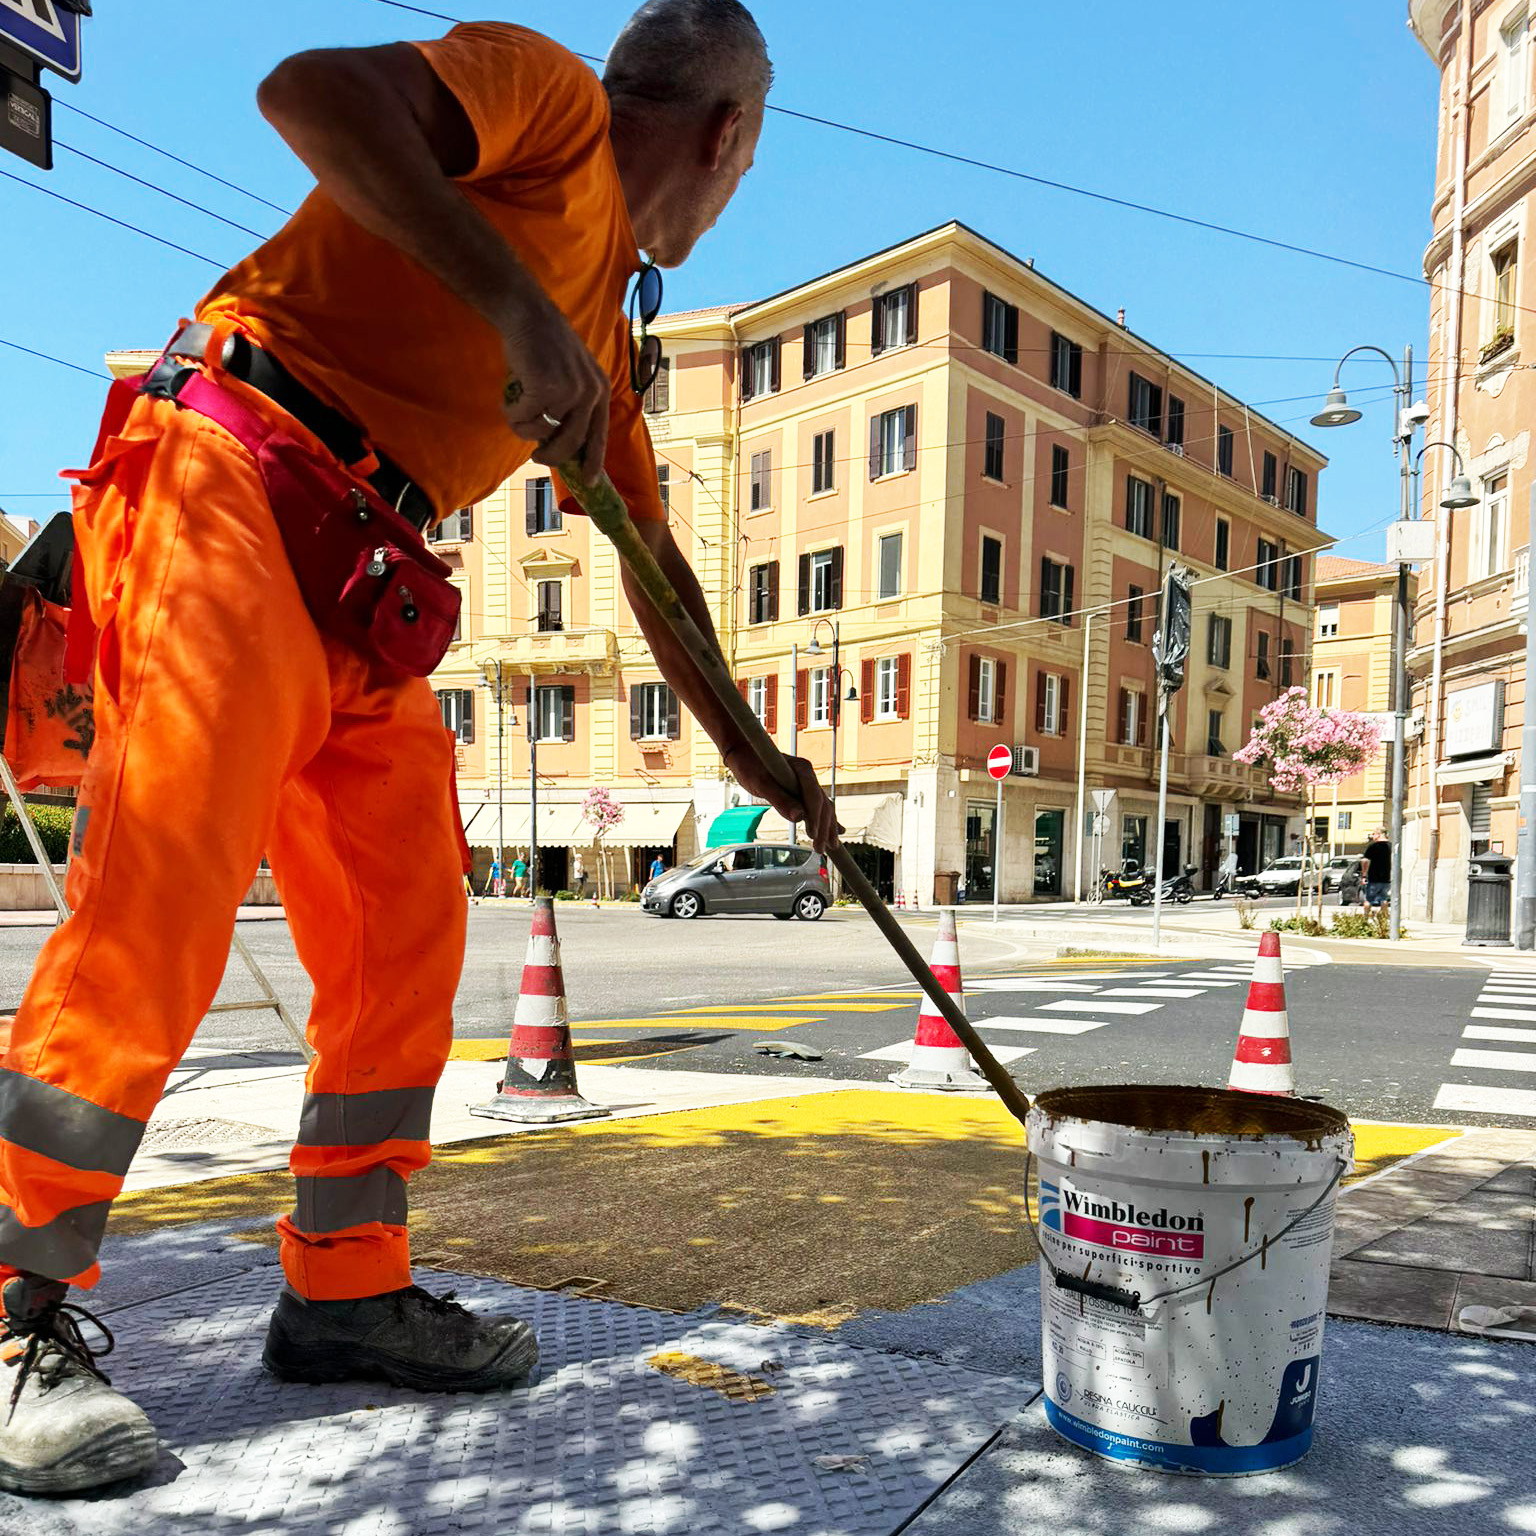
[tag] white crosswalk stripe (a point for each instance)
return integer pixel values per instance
(902, 1052)
(1040, 1026)
(1506, 995)
(1035, 984)
(1472, 1099)
(1096, 1005)
(1153, 992)
(1497, 1032)
(1527, 1014)
(1496, 1061)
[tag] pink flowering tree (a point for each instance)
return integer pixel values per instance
(1301, 746)
(601, 812)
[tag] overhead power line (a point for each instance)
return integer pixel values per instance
(48, 357)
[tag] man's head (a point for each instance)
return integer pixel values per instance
(687, 80)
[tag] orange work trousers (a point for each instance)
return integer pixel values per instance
(227, 725)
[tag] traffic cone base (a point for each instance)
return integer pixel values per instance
(539, 1087)
(1262, 1061)
(939, 1061)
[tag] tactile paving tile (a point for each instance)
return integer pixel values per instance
(602, 1444)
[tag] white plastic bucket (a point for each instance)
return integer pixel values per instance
(1157, 1350)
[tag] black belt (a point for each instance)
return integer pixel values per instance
(266, 375)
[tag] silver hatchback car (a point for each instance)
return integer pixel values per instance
(780, 878)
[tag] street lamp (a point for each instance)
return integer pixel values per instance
(838, 672)
(494, 681)
(1337, 412)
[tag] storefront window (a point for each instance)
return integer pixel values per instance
(1050, 829)
(1133, 839)
(980, 850)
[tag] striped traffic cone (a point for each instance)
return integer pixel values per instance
(1262, 1062)
(901, 902)
(938, 1058)
(540, 1082)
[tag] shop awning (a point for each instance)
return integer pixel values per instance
(737, 825)
(646, 824)
(1473, 770)
(872, 819)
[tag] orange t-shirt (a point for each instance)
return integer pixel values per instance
(382, 340)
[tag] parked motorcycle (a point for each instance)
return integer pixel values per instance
(1131, 879)
(1178, 888)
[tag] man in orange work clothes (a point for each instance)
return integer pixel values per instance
(448, 303)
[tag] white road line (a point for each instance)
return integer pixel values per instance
(903, 1053)
(1093, 1005)
(1039, 1026)
(1520, 1015)
(1486, 1101)
(1207, 980)
(1032, 984)
(1497, 1032)
(1153, 992)
(1497, 1061)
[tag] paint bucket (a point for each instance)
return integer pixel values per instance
(1185, 1236)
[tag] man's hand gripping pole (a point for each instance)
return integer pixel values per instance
(605, 507)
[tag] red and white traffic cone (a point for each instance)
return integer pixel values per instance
(901, 902)
(540, 1082)
(938, 1058)
(1262, 1062)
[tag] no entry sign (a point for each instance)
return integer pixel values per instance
(1000, 762)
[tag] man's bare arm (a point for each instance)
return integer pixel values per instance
(383, 136)
(811, 807)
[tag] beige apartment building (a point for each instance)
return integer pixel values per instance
(1352, 669)
(1468, 658)
(969, 483)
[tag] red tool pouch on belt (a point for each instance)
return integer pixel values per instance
(365, 573)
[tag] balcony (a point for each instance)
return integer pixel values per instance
(591, 651)
(1219, 778)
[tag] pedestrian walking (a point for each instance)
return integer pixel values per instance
(498, 877)
(452, 299)
(1376, 867)
(519, 876)
(658, 868)
(579, 877)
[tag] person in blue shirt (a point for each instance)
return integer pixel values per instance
(658, 868)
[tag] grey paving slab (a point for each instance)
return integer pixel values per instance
(1486, 1231)
(1418, 1434)
(1392, 1293)
(602, 1443)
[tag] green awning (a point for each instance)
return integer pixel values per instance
(737, 825)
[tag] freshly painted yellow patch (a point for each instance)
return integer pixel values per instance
(1380, 1144)
(735, 1385)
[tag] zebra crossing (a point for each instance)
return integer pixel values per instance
(1078, 1005)
(1509, 998)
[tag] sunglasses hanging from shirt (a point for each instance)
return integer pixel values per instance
(644, 306)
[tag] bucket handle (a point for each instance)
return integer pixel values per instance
(1133, 1300)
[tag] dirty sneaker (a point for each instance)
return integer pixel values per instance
(62, 1427)
(409, 1337)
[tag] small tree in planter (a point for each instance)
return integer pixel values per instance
(602, 813)
(1301, 747)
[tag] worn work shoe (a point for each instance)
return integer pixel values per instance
(62, 1427)
(410, 1338)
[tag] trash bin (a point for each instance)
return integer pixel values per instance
(1488, 900)
(946, 886)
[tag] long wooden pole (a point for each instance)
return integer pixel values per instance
(603, 504)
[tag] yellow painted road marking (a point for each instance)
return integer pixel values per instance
(735, 1385)
(793, 1007)
(1380, 1144)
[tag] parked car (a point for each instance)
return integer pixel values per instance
(1281, 877)
(1338, 869)
(780, 878)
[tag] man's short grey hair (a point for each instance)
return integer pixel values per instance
(689, 54)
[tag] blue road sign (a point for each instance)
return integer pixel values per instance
(44, 30)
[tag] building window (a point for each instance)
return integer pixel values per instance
(820, 711)
(762, 699)
(454, 529)
(999, 328)
(1514, 69)
(762, 481)
(540, 514)
(1061, 466)
(991, 584)
(889, 563)
(1504, 269)
(664, 486)
(763, 593)
(893, 442)
(1269, 483)
(1296, 492)
(1146, 405)
(1066, 366)
(1055, 591)
(1133, 717)
(893, 320)
(760, 369)
(1223, 544)
(1261, 655)
(1267, 565)
(823, 457)
(555, 713)
(1172, 509)
(458, 707)
(1218, 641)
(658, 397)
(887, 688)
(654, 714)
(1051, 704)
(1490, 529)
(1295, 578)
(1224, 450)
(550, 619)
(1138, 506)
(1134, 613)
(821, 581)
(1133, 839)
(992, 460)
(986, 690)
(1287, 661)
(825, 346)
(1175, 422)
(1325, 689)
(1213, 732)
(1328, 621)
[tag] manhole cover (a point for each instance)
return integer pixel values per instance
(163, 1135)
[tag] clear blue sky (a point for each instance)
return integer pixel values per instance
(1311, 122)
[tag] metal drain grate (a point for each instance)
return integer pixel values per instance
(168, 1135)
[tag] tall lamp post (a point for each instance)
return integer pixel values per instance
(533, 791)
(494, 681)
(838, 672)
(1337, 412)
